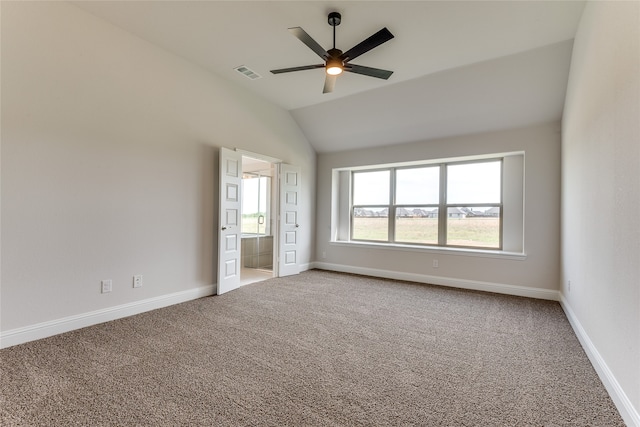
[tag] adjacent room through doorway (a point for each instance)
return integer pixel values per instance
(257, 226)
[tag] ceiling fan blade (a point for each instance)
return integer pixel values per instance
(368, 71)
(365, 46)
(309, 41)
(329, 83)
(304, 67)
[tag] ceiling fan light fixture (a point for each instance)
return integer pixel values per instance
(334, 71)
(334, 67)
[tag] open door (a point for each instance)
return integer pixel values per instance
(289, 233)
(229, 232)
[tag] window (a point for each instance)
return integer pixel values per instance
(474, 204)
(417, 203)
(371, 196)
(453, 204)
(256, 194)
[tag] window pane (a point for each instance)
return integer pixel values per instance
(477, 226)
(417, 225)
(474, 182)
(255, 193)
(371, 188)
(371, 224)
(417, 185)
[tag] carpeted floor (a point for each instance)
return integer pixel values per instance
(316, 349)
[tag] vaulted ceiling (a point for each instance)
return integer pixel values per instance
(459, 67)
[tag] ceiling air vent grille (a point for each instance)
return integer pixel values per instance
(247, 72)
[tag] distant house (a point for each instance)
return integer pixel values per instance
(413, 213)
(451, 213)
(456, 213)
(493, 212)
(362, 212)
(404, 213)
(423, 213)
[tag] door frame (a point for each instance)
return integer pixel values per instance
(276, 201)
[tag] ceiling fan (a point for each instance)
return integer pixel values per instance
(335, 60)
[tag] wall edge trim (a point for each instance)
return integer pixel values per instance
(628, 413)
(499, 288)
(66, 324)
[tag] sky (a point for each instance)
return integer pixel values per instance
(254, 195)
(466, 183)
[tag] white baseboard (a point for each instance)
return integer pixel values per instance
(46, 329)
(500, 288)
(54, 327)
(628, 413)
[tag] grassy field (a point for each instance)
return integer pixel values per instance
(480, 232)
(250, 224)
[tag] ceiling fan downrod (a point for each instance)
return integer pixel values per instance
(334, 20)
(334, 64)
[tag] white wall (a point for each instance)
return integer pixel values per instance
(109, 152)
(601, 196)
(536, 275)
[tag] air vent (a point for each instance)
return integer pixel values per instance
(247, 72)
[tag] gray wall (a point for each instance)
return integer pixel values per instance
(538, 271)
(601, 196)
(109, 151)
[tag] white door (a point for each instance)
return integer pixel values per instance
(289, 233)
(229, 221)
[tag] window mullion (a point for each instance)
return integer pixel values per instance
(351, 206)
(392, 205)
(501, 203)
(442, 207)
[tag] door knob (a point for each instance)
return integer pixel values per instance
(297, 225)
(224, 228)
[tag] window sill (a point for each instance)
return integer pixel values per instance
(486, 253)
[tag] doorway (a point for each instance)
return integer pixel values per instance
(257, 246)
(280, 220)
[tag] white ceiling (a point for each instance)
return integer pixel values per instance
(459, 66)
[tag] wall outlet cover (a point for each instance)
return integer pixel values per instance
(106, 286)
(137, 281)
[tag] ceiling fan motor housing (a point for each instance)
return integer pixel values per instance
(334, 53)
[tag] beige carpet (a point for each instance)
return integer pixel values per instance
(317, 349)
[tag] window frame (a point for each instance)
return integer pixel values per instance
(442, 205)
(353, 207)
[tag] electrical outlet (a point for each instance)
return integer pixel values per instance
(107, 285)
(137, 281)
(435, 263)
(569, 285)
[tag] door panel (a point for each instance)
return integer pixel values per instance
(288, 262)
(229, 221)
